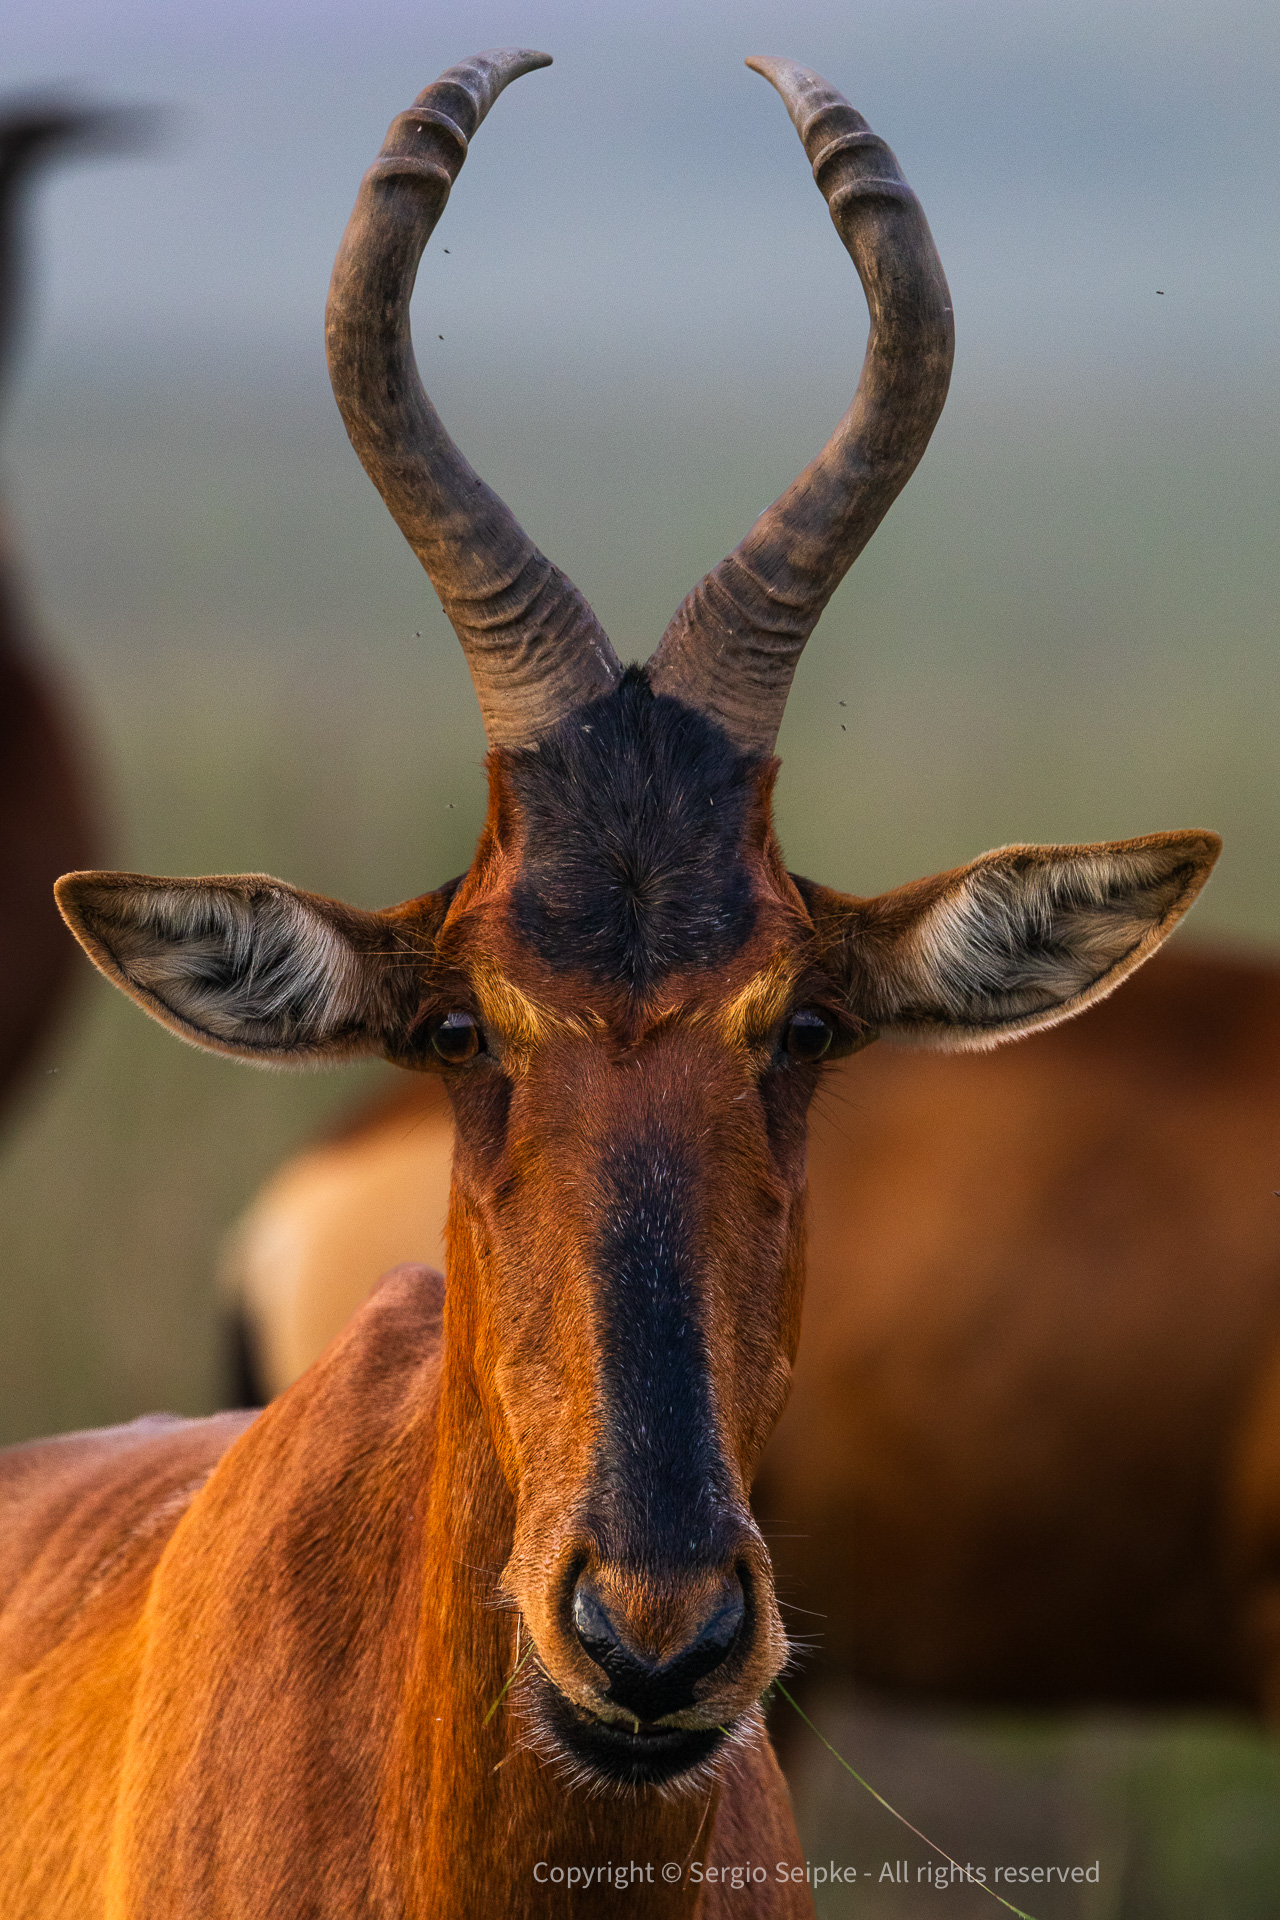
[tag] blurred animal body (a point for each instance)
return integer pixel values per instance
(47, 819)
(1017, 1467)
(262, 1666)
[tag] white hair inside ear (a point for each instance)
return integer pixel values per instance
(243, 964)
(1023, 937)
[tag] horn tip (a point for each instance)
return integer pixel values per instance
(771, 66)
(518, 60)
(804, 93)
(788, 77)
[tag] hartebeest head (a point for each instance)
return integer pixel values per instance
(629, 996)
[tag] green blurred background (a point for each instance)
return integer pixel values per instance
(1064, 631)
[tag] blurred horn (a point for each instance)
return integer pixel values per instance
(33, 129)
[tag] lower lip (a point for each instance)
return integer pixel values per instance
(629, 1759)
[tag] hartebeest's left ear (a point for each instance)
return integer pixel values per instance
(1020, 939)
(247, 965)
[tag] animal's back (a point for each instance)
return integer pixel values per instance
(370, 1196)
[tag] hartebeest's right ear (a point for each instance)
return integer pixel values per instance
(246, 965)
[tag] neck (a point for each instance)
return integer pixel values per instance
(499, 1827)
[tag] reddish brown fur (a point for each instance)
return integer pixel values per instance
(369, 1501)
(595, 1068)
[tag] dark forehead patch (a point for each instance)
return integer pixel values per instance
(635, 810)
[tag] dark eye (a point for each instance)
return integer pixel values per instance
(457, 1038)
(808, 1035)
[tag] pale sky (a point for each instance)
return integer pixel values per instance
(645, 197)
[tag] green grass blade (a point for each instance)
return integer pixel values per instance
(506, 1684)
(941, 1851)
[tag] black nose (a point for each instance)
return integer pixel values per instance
(651, 1688)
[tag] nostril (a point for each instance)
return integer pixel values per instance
(724, 1626)
(594, 1628)
(651, 1688)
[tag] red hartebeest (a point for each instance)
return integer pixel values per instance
(255, 1666)
(46, 820)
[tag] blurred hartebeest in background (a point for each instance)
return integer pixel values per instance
(48, 814)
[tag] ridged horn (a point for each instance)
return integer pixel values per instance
(732, 646)
(535, 649)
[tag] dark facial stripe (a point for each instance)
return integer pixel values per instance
(660, 1486)
(635, 810)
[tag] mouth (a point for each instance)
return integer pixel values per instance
(627, 1756)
